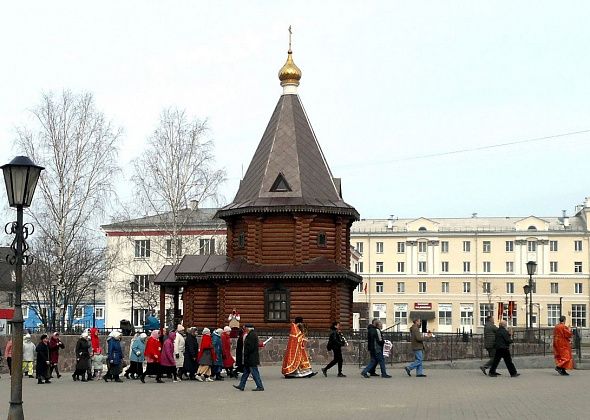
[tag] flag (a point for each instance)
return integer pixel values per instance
(510, 308)
(500, 310)
(365, 288)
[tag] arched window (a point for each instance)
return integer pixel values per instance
(422, 229)
(532, 227)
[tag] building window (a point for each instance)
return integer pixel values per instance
(401, 267)
(401, 247)
(578, 288)
(553, 246)
(466, 246)
(360, 266)
(379, 267)
(487, 287)
(99, 313)
(142, 282)
(422, 247)
(242, 240)
(444, 246)
(553, 266)
(400, 314)
(510, 288)
(379, 287)
(532, 246)
(79, 312)
(485, 310)
(25, 310)
(552, 314)
(401, 287)
(444, 267)
(359, 247)
(142, 248)
(379, 247)
(421, 287)
(554, 288)
(277, 304)
(509, 267)
(466, 266)
(487, 246)
(207, 246)
(380, 312)
(422, 266)
(445, 314)
(577, 245)
(466, 314)
(487, 266)
(445, 287)
(169, 249)
(139, 317)
(466, 287)
(578, 267)
(509, 246)
(322, 239)
(579, 315)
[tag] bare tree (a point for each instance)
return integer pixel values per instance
(77, 146)
(171, 177)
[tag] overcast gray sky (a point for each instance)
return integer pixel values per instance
(383, 82)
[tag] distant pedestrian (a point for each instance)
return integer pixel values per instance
(28, 356)
(251, 360)
(97, 362)
(218, 362)
(167, 360)
(228, 359)
(54, 345)
(191, 350)
(375, 343)
(43, 362)
(83, 364)
(115, 358)
(489, 340)
(136, 357)
(179, 345)
(8, 354)
(206, 357)
(562, 347)
(335, 344)
(418, 348)
(152, 356)
(503, 341)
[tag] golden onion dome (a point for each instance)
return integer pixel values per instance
(289, 74)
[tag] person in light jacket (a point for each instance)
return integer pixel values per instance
(28, 356)
(179, 350)
(136, 357)
(8, 355)
(418, 349)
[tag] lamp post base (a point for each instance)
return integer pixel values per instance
(15, 412)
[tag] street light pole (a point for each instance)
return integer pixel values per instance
(132, 285)
(20, 176)
(531, 267)
(93, 308)
(54, 303)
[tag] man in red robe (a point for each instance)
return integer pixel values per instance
(562, 348)
(296, 363)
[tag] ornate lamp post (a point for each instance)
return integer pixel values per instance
(20, 176)
(527, 290)
(531, 267)
(133, 285)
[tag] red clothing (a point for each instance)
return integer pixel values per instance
(562, 349)
(152, 350)
(8, 349)
(206, 343)
(54, 345)
(296, 359)
(228, 360)
(94, 340)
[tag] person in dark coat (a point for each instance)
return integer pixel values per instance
(375, 343)
(243, 332)
(54, 345)
(191, 350)
(115, 358)
(503, 341)
(251, 360)
(42, 367)
(489, 340)
(335, 344)
(82, 358)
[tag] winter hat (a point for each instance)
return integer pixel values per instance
(142, 336)
(226, 329)
(179, 328)
(84, 335)
(28, 337)
(218, 331)
(206, 330)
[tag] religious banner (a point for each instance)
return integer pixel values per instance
(500, 310)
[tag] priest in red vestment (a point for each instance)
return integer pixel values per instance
(562, 349)
(296, 363)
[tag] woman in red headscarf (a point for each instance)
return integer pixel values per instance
(152, 356)
(206, 357)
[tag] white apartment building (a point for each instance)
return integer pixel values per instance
(139, 248)
(453, 272)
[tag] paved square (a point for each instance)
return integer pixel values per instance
(444, 394)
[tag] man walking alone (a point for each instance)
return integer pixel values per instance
(503, 341)
(418, 349)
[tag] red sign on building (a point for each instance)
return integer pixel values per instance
(422, 306)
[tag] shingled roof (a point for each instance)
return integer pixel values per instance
(288, 171)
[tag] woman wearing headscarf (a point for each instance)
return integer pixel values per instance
(228, 359)
(218, 362)
(28, 355)
(136, 357)
(82, 358)
(54, 345)
(206, 357)
(167, 360)
(115, 358)
(42, 366)
(152, 357)
(191, 350)
(179, 344)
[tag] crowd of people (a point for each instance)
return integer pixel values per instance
(178, 355)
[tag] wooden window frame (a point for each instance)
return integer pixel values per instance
(267, 302)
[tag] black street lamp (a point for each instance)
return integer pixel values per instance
(531, 267)
(133, 285)
(20, 176)
(93, 308)
(54, 304)
(527, 290)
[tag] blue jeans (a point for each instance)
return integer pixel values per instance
(255, 374)
(418, 356)
(376, 358)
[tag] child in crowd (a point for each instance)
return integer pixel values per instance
(98, 360)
